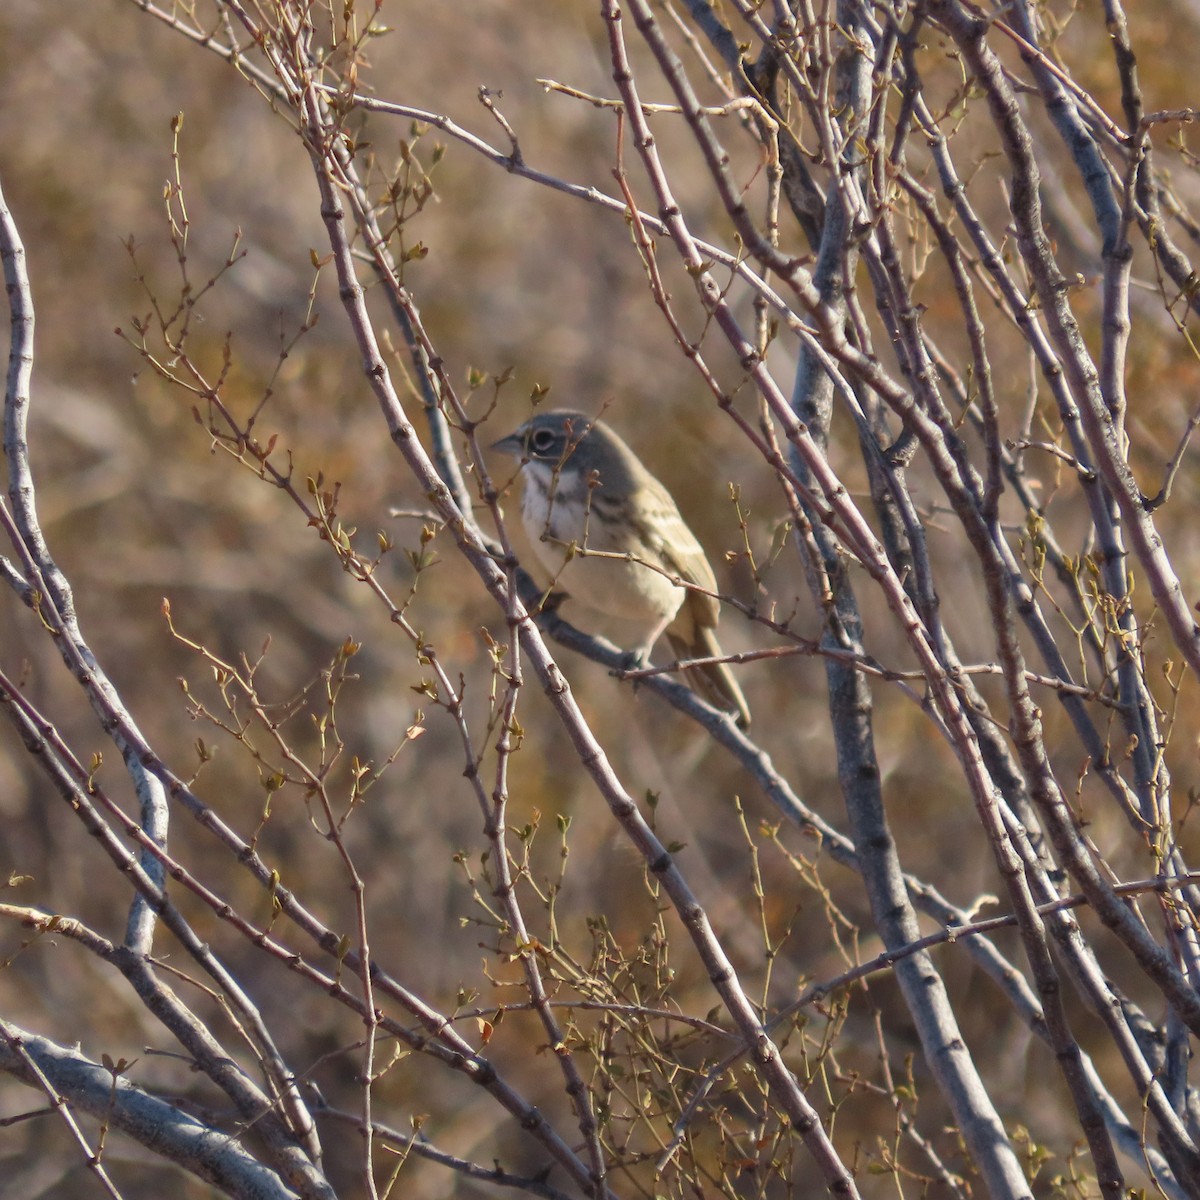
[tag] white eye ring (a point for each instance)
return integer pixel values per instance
(541, 440)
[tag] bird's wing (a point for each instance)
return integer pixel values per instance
(664, 531)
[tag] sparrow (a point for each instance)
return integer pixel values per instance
(603, 525)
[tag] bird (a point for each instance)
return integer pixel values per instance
(603, 525)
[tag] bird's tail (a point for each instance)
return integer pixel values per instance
(713, 681)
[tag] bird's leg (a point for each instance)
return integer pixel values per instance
(639, 657)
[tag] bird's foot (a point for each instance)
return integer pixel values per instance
(632, 663)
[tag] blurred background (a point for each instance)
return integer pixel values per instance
(138, 504)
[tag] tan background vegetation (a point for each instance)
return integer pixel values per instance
(138, 505)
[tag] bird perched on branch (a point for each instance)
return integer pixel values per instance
(605, 527)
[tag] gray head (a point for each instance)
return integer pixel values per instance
(561, 438)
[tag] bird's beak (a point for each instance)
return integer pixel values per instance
(514, 444)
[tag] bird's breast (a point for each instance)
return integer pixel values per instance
(592, 551)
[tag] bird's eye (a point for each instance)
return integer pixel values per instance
(541, 441)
